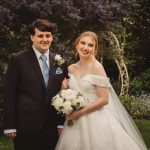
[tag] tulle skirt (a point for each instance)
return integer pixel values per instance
(98, 130)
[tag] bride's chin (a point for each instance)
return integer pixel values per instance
(86, 57)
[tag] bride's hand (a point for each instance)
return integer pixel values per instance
(65, 83)
(75, 115)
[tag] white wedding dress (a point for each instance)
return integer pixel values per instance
(109, 128)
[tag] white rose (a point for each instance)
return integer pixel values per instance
(57, 103)
(78, 102)
(67, 107)
(68, 94)
(58, 57)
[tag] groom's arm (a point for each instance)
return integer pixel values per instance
(10, 93)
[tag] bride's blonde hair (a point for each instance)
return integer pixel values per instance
(90, 34)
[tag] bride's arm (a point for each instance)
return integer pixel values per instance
(103, 96)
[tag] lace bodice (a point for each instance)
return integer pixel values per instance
(86, 85)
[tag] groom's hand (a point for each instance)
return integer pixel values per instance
(11, 135)
(59, 129)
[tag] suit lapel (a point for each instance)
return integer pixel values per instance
(52, 70)
(36, 67)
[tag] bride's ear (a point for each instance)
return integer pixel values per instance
(76, 56)
(93, 53)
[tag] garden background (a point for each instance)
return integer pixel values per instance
(129, 23)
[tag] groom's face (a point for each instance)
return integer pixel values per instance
(42, 40)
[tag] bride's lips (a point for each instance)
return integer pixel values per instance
(84, 52)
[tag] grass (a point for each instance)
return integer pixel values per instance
(5, 143)
(143, 125)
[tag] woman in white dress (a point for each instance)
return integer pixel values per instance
(103, 124)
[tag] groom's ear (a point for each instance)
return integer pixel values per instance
(31, 37)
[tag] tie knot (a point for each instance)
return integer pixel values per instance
(43, 57)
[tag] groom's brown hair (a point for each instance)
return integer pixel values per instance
(42, 25)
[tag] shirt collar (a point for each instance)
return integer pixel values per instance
(38, 54)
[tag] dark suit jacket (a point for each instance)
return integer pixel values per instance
(27, 101)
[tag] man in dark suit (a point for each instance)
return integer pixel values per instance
(29, 117)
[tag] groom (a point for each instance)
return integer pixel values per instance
(33, 77)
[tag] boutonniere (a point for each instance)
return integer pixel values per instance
(59, 60)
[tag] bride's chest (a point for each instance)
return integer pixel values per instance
(83, 84)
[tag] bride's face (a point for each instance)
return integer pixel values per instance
(86, 47)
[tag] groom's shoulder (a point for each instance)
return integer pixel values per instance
(21, 53)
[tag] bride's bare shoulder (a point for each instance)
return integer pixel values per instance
(72, 67)
(98, 69)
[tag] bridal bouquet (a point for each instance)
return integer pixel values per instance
(67, 101)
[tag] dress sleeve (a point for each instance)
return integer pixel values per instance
(100, 81)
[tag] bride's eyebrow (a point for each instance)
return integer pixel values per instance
(83, 42)
(91, 44)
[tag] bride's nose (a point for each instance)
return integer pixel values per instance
(85, 48)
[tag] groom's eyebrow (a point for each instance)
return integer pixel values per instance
(46, 35)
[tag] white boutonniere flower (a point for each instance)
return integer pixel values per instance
(59, 60)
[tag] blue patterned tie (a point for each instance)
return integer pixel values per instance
(45, 69)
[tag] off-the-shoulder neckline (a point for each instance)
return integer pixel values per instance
(89, 74)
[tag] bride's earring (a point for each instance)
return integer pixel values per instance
(93, 53)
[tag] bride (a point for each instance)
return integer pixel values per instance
(103, 124)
